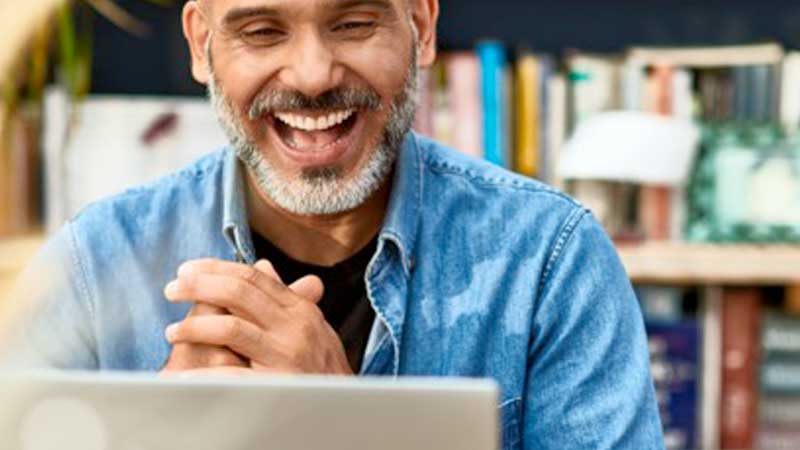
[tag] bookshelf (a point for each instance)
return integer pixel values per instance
(711, 264)
(669, 263)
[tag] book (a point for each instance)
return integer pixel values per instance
(792, 301)
(463, 75)
(674, 361)
(556, 124)
(442, 110)
(707, 57)
(547, 72)
(790, 92)
(781, 335)
(424, 120)
(655, 201)
(494, 97)
(741, 308)
(660, 303)
(528, 142)
(711, 317)
(778, 438)
(780, 410)
(780, 375)
(594, 86)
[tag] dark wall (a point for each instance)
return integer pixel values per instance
(159, 64)
(611, 25)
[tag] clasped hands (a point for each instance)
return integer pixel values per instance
(246, 321)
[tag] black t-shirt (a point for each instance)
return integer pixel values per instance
(345, 303)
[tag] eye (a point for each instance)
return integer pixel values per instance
(354, 25)
(262, 32)
(262, 36)
(355, 29)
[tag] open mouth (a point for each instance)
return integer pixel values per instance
(318, 132)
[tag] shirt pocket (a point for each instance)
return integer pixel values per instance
(509, 412)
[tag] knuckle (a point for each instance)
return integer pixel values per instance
(250, 274)
(308, 330)
(232, 328)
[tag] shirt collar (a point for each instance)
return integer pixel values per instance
(399, 227)
(235, 226)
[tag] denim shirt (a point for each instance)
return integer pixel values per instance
(478, 272)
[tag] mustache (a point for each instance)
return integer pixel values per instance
(339, 98)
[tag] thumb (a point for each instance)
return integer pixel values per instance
(309, 287)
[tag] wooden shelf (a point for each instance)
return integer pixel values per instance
(652, 262)
(711, 264)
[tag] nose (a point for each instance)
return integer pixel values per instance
(313, 69)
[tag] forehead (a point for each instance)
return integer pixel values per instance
(222, 7)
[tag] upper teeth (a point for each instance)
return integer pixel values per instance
(307, 123)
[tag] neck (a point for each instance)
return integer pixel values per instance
(320, 240)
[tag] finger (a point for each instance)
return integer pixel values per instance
(239, 335)
(271, 286)
(230, 293)
(266, 267)
(192, 356)
(204, 309)
(309, 287)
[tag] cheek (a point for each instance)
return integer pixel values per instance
(242, 76)
(382, 62)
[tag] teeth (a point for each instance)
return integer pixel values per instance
(307, 123)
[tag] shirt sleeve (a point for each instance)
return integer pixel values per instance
(49, 323)
(588, 382)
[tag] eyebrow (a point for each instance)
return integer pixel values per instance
(237, 14)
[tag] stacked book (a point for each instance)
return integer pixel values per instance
(779, 405)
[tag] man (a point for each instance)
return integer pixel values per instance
(330, 239)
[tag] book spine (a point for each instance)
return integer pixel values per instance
(674, 353)
(423, 122)
(442, 106)
(556, 128)
(463, 75)
(711, 313)
(546, 162)
(780, 376)
(656, 202)
(493, 78)
(740, 351)
(790, 93)
(527, 150)
(779, 410)
(781, 335)
(792, 303)
(778, 438)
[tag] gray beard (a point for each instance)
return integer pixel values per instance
(321, 191)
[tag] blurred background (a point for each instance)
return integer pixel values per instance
(674, 121)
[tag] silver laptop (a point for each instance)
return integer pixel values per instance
(75, 411)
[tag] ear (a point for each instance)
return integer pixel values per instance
(425, 14)
(196, 31)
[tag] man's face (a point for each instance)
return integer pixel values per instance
(315, 95)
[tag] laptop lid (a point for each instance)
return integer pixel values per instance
(78, 411)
